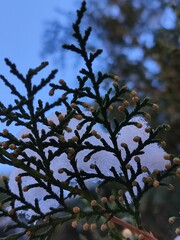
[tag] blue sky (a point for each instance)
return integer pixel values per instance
(22, 25)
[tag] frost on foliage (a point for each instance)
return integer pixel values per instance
(152, 157)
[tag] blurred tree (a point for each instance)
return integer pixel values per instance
(142, 45)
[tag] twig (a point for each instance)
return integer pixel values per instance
(146, 235)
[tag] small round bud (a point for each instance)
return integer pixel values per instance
(98, 136)
(144, 169)
(112, 198)
(76, 210)
(177, 231)
(134, 183)
(78, 127)
(11, 212)
(168, 166)
(86, 159)
(141, 237)
(51, 92)
(25, 189)
(155, 107)
(93, 132)
(23, 136)
(137, 159)
(71, 150)
(61, 170)
(75, 139)
(104, 200)
(70, 156)
(93, 203)
(136, 139)
(149, 179)
(163, 144)
(125, 104)
(133, 93)
(148, 130)
(116, 78)
(167, 156)
(18, 179)
(147, 116)
(73, 105)
(61, 117)
(68, 129)
(103, 227)
(62, 82)
(176, 160)
(124, 145)
(86, 105)
(5, 132)
(61, 138)
(74, 224)
(93, 226)
(12, 146)
(92, 166)
(92, 109)
(78, 117)
(156, 183)
(135, 99)
(171, 220)
(110, 108)
(50, 123)
(121, 109)
(139, 125)
(156, 171)
(127, 233)
(121, 193)
(86, 226)
(128, 166)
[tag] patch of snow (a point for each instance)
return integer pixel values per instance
(152, 157)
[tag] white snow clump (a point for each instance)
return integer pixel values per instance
(152, 158)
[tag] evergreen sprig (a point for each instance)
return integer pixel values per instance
(45, 142)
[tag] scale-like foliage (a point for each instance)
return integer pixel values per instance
(64, 162)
